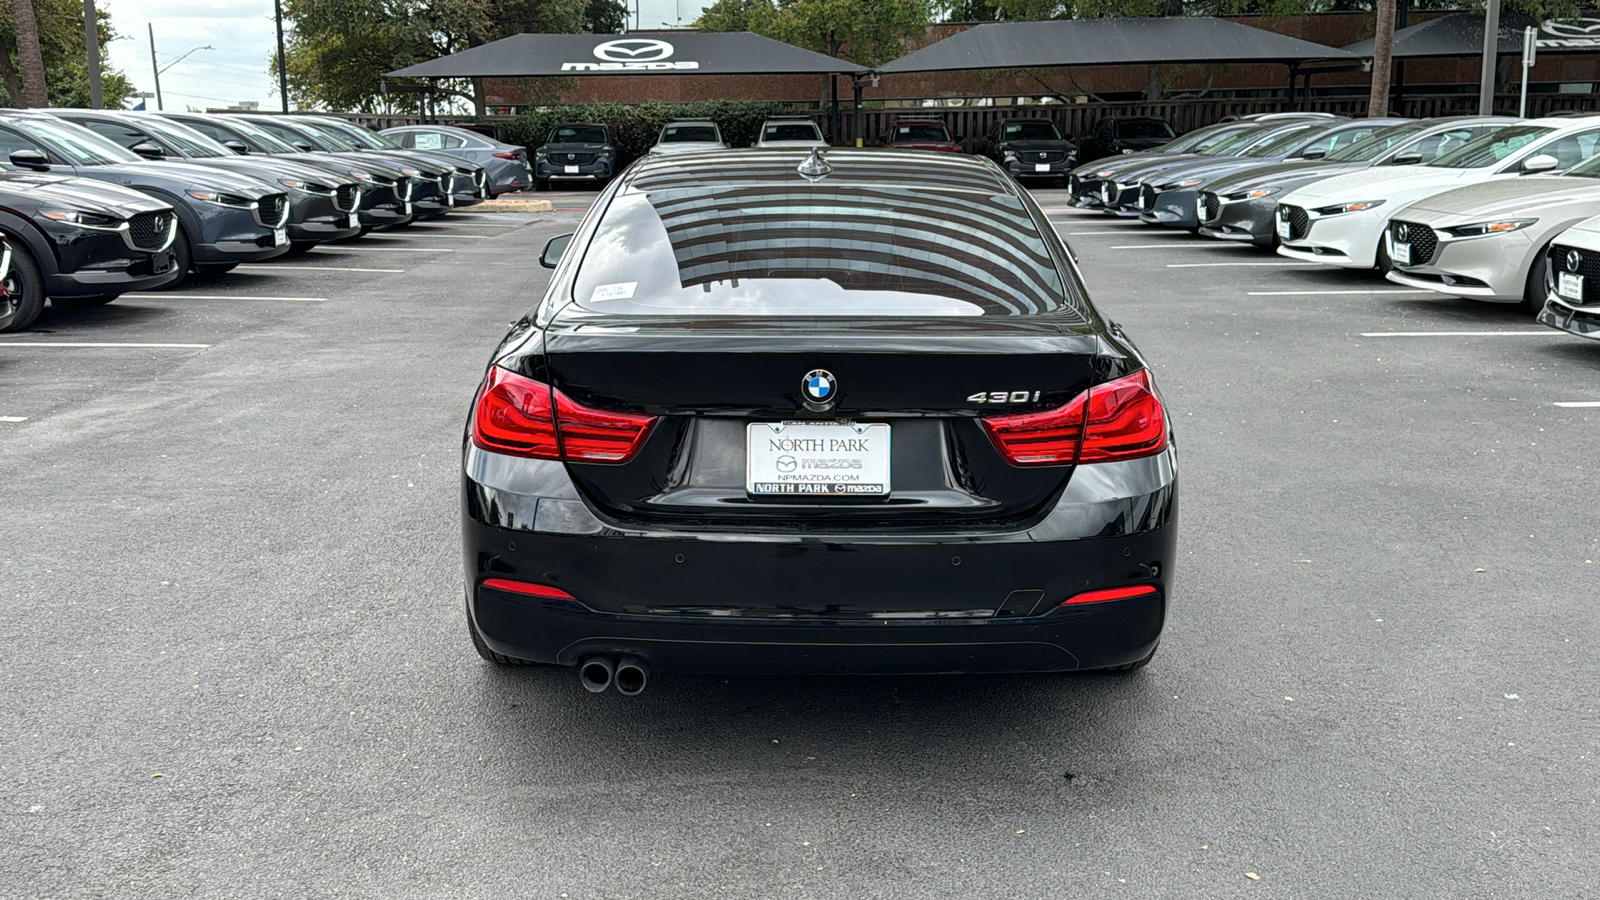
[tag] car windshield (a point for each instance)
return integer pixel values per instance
(80, 145)
(1195, 138)
(1368, 148)
(791, 131)
(674, 134)
(261, 137)
(1143, 128)
(326, 136)
(919, 131)
(1280, 144)
(361, 136)
(818, 250)
(1491, 148)
(1029, 131)
(191, 142)
(577, 134)
(1228, 145)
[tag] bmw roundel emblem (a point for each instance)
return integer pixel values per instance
(819, 388)
(1574, 260)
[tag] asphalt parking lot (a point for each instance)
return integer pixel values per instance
(234, 661)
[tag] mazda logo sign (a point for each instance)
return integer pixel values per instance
(1401, 232)
(1574, 260)
(633, 50)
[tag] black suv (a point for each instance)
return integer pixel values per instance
(1114, 136)
(1030, 148)
(582, 152)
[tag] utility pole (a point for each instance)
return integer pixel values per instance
(154, 69)
(283, 72)
(1491, 57)
(91, 42)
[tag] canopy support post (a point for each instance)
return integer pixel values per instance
(1491, 57)
(857, 82)
(1294, 78)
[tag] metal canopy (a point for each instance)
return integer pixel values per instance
(663, 53)
(1462, 35)
(1110, 42)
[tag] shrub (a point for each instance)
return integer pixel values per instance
(635, 126)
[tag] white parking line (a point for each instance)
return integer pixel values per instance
(1121, 233)
(366, 249)
(1212, 265)
(1582, 404)
(1544, 333)
(25, 418)
(471, 237)
(1180, 244)
(11, 343)
(186, 296)
(1322, 293)
(317, 269)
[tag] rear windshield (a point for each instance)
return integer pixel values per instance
(818, 250)
(684, 133)
(1143, 128)
(1029, 131)
(792, 131)
(577, 134)
(920, 131)
(1491, 148)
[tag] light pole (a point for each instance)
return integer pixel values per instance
(1491, 57)
(157, 70)
(283, 73)
(91, 41)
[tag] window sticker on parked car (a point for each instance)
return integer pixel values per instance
(622, 290)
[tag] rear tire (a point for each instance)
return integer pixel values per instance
(24, 286)
(1533, 290)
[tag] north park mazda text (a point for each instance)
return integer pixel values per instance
(847, 411)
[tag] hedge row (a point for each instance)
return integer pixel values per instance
(635, 126)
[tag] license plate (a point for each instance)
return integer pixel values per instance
(801, 459)
(1200, 209)
(1569, 286)
(1283, 228)
(279, 237)
(355, 220)
(1401, 255)
(160, 263)
(405, 208)
(1041, 167)
(571, 170)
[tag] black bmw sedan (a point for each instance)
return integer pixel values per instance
(79, 243)
(846, 412)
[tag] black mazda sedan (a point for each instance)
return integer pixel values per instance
(849, 412)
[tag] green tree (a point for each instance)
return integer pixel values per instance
(60, 36)
(866, 31)
(605, 16)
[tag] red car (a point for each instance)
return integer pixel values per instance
(921, 134)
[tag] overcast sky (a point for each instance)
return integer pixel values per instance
(241, 35)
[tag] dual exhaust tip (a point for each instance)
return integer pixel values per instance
(628, 673)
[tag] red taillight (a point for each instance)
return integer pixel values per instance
(509, 155)
(1117, 420)
(514, 416)
(527, 587)
(1121, 593)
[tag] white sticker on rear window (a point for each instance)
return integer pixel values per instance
(622, 290)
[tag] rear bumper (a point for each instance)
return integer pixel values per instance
(723, 602)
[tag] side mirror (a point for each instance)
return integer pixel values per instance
(554, 249)
(1406, 159)
(304, 146)
(30, 159)
(148, 150)
(1314, 154)
(236, 146)
(1543, 162)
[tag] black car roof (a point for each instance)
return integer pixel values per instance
(905, 168)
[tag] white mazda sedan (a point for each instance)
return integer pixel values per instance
(1340, 221)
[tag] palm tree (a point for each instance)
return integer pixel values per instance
(29, 56)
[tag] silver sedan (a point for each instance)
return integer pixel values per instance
(506, 164)
(1487, 241)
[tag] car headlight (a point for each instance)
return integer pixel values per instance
(1102, 173)
(83, 219)
(1193, 182)
(360, 176)
(221, 198)
(1254, 195)
(309, 187)
(1342, 208)
(1009, 155)
(1481, 229)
